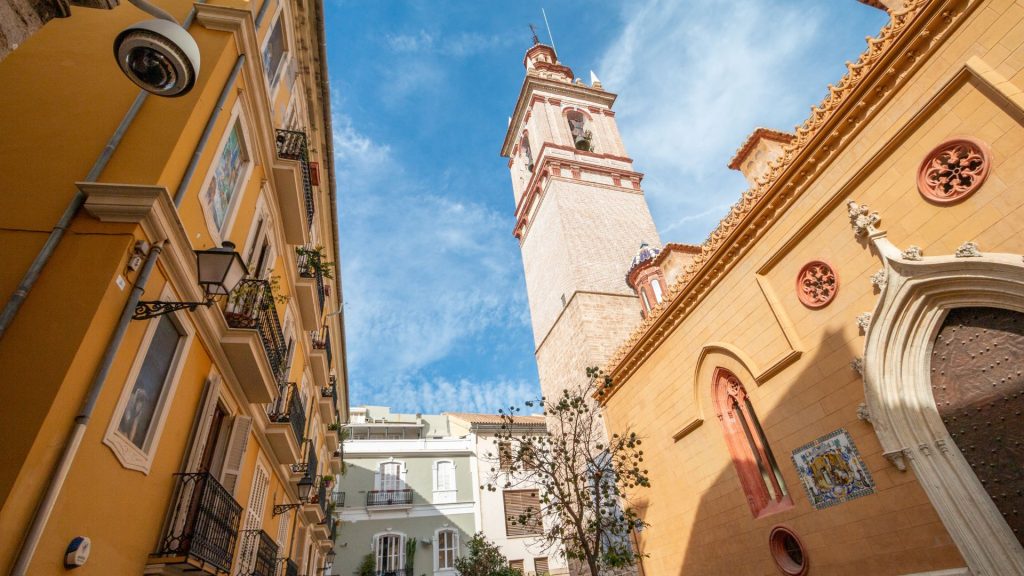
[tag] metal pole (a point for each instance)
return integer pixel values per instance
(74, 439)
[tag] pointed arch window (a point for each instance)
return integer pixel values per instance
(582, 136)
(751, 454)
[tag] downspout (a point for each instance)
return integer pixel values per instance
(28, 281)
(179, 194)
(74, 439)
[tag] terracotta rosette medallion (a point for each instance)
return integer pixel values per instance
(953, 170)
(816, 284)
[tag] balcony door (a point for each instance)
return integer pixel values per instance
(391, 476)
(390, 553)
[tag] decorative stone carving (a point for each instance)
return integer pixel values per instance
(858, 365)
(816, 284)
(862, 219)
(896, 459)
(863, 413)
(864, 320)
(925, 449)
(967, 250)
(942, 445)
(953, 170)
(912, 253)
(880, 279)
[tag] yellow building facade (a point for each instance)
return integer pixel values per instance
(832, 386)
(184, 442)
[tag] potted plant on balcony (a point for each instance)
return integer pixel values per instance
(316, 261)
(334, 426)
(328, 480)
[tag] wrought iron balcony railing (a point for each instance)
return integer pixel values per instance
(395, 572)
(339, 499)
(251, 306)
(288, 408)
(327, 391)
(309, 262)
(291, 145)
(287, 567)
(259, 554)
(203, 522)
(388, 497)
(321, 497)
(320, 338)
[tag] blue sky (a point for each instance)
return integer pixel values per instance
(435, 303)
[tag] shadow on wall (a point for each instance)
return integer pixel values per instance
(891, 530)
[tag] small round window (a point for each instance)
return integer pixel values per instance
(787, 551)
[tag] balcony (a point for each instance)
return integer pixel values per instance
(331, 439)
(309, 288)
(320, 359)
(327, 401)
(294, 185)
(339, 499)
(392, 498)
(254, 343)
(316, 509)
(259, 554)
(335, 462)
(201, 530)
(287, 567)
(287, 424)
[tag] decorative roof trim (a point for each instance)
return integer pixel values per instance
(533, 84)
(756, 136)
(886, 63)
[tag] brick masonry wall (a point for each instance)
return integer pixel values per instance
(700, 520)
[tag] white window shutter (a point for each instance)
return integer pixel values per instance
(376, 478)
(201, 427)
(237, 444)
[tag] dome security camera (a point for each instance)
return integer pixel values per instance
(160, 56)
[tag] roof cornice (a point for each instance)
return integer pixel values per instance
(902, 45)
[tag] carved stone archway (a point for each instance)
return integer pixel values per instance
(917, 292)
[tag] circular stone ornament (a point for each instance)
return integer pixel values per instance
(816, 284)
(787, 551)
(953, 170)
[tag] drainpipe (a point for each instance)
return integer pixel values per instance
(179, 195)
(74, 439)
(28, 281)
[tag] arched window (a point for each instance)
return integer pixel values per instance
(755, 464)
(389, 550)
(582, 137)
(444, 482)
(524, 147)
(446, 546)
(647, 304)
(656, 286)
(391, 476)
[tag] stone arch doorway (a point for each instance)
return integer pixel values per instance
(977, 361)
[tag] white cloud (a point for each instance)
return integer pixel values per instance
(460, 45)
(423, 274)
(694, 79)
(439, 394)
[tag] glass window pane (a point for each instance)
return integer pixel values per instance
(142, 403)
(273, 54)
(227, 176)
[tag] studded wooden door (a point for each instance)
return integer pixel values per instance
(976, 368)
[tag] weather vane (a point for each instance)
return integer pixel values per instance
(534, 31)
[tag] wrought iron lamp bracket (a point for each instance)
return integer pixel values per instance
(147, 309)
(283, 508)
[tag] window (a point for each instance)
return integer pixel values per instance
(139, 416)
(656, 286)
(524, 146)
(582, 137)
(444, 482)
(447, 546)
(274, 51)
(751, 455)
(516, 565)
(390, 553)
(254, 518)
(505, 455)
(226, 179)
(643, 296)
(540, 566)
(391, 476)
(522, 512)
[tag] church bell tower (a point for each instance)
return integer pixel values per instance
(580, 217)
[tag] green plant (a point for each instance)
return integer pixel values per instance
(328, 478)
(483, 559)
(367, 566)
(247, 290)
(317, 261)
(410, 555)
(334, 426)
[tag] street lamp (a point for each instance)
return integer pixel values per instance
(219, 270)
(305, 487)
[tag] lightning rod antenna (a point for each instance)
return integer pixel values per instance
(550, 37)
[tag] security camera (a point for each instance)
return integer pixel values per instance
(158, 55)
